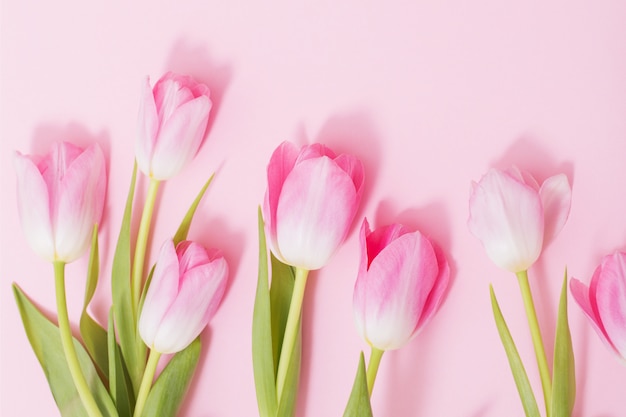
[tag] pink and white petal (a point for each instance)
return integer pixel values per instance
(161, 293)
(194, 306)
(380, 238)
(611, 300)
(316, 207)
(315, 150)
(34, 207)
(190, 255)
(507, 217)
(169, 94)
(438, 290)
(148, 126)
(556, 198)
(281, 163)
(354, 168)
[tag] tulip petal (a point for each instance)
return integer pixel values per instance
(581, 295)
(34, 207)
(354, 168)
(437, 291)
(161, 293)
(380, 238)
(171, 92)
(506, 216)
(81, 195)
(199, 297)
(148, 123)
(556, 198)
(316, 206)
(610, 297)
(180, 138)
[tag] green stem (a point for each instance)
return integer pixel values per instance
(142, 242)
(372, 368)
(68, 344)
(540, 353)
(146, 382)
(291, 329)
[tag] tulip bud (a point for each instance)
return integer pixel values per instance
(311, 200)
(604, 302)
(514, 218)
(400, 284)
(60, 199)
(186, 288)
(173, 119)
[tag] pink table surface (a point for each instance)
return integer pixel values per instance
(428, 94)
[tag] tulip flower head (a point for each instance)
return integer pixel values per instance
(173, 118)
(186, 288)
(604, 301)
(400, 284)
(311, 199)
(60, 199)
(514, 217)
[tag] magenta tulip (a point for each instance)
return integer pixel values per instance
(515, 218)
(60, 198)
(604, 302)
(311, 200)
(186, 288)
(173, 119)
(400, 284)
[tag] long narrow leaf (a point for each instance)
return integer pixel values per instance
(564, 379)
(94, 336)
(281, 291)
(517, 367)
(262, 354)
(169, 390)
(45, 339)
(183, 229)
(120, 386)
(133, 348)
(359, 401)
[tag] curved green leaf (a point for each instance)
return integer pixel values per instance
(183, 229)
(45, 339)
(359, 402)
(120, 386)
(564, 378)
(517, 367)
(169, 390)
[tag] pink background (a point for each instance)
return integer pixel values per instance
(428, 94)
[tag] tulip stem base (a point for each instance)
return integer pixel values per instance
(68, 344)
(146, 382)
(372, 368)
(540, 353)
(291, 329)
(142, 242)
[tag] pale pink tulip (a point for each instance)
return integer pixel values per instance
(60, 198)
(515, 218)
(186, 288)
(401, 282)
(604, 302)
(311, 199)
(173, 119)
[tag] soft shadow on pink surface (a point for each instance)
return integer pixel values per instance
(194, 59)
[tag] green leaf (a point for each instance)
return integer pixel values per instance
(359, 402)
(133, 348)
(168, 391)
(287, 406)
(45, 339)
(262, 353)
(181, 233)
(120, 386)
(564, 378)
(94, 336)
(517, 367)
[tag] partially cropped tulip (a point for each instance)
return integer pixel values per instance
(400, 284)
(186, 288)
(60, 199)
(515, 218)
(311, 199)
(173, 119)
(604, 302)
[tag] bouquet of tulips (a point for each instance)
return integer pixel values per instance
(110, 370)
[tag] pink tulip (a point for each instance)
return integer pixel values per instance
(401, 282)
(173, 120)
(60, 198)
(311, 199)
(604, 302)
(515, 218)
(186, 288)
